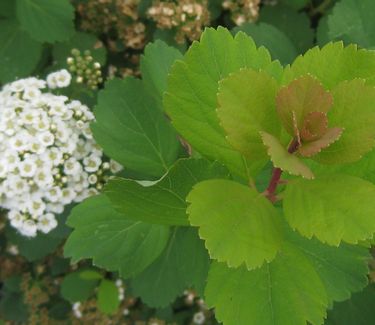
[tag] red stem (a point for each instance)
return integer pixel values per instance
(276, 175)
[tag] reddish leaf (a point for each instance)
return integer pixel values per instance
(309, 149)
(301, 97)
(314, 127)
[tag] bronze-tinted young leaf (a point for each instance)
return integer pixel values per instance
(309, 149)
(284, 160)
(314, 126)
(301, 97)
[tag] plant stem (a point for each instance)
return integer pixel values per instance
(321, 8)
(276, 175)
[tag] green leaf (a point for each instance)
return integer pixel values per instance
(132, 129)
(334, 208)
(191, 99)
(342, 270)
(13, 308)
(295, 288)
(358, 310)
(164, 201)
(239, 225)
(296, 4)
(82, 42)
(74, 288)
(245, 111)
(296, 26)
(108, 297)
(184, 263)
(46, 20)
(284, 160)
(322, 36)
(7, 8)
(364, 168)
(353, 22)
(333, 64)
(286, 291)
(111, 240)
(14, 63)
(91, 275)
(353, 108)
(280, 46)
(155, 66)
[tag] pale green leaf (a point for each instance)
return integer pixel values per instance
(19, 54)
(353, 108)
(132, 130)
(246, 107)
(239, 225)
(108, 297)
(333, 208)
(191, 99)
(353, 22)
(155, 66)
(284, 160)
(333, 64)
(111, 240)
(294, 289)
(286, 291)
(183, 264)
(46, 20)
(163, 202)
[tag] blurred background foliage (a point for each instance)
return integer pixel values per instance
(97, 40)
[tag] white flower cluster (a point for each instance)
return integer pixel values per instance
(48, 158)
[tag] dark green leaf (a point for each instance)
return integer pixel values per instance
(19, 54)
(184, 263)
(74, 288)
(111, 240)
(132, 129)
(155, 66)
(279, 45)
(46, 20)
(163, 202)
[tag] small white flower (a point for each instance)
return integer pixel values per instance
(31, 93)
(115, 167)
(59, 79)
(92, 163)
(36, 207)
(28, 228)
(17, 219)
(53, 194)
(46, 138)
(47, 222)
(27, 168)
(93, 179)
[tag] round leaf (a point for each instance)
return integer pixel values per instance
(238, 224)
(334, 208)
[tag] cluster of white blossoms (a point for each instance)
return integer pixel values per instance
(48, 158)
